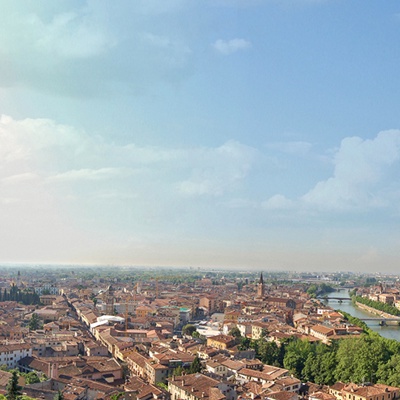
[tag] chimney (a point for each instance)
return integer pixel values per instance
(203, 394)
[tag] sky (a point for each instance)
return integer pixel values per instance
(243, 134)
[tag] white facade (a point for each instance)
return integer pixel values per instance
(10, 354)
(47, 288)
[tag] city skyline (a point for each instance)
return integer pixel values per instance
(232, 134)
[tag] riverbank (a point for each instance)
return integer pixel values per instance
(379, 313)
(389, 332)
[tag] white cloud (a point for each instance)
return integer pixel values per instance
(241, 203)
(20, 178)
(227, 47)
(91, 50)
(56, 181)
(53, 153)
(218, 170)
(278, 202)
(365, 175)
(296, 148)
(71, 35)
(91, 174)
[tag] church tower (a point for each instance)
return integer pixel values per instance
(109, 297)
(260, 287)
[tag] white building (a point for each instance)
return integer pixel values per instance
(47, 288)
(10, 354)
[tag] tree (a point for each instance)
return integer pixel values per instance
(116, 396)
(188, 329)
(13, 389)
(389, 373)
(244, 343)
(196, 366)
(178, 371)
(34, 322)
(268, 352)
(345, 356)
(371, 353)
(162, 386)
(59, 396)
(321, 363)
(296, 355)
(235, 332)
(312, 290)
(31, 377)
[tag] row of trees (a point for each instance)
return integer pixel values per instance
(378, 305)
(26, 297)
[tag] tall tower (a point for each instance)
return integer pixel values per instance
(110, 301)
(260, 287)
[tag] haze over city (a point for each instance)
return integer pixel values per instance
(213, 133)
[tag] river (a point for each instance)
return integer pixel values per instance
(390, 332)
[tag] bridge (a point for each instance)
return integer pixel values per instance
(333, 298)
(380, 319)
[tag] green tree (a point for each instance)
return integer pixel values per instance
(188, 329)
(268, 352)
(296, 354)
(13, 389)
(389, 373)
(312, 290)
(116, 396)
(235, 332)
(321, 363)
(34, 322)
(162, 385)
(178, 371)
(345, 359)
(195, 366)
(31, 377)
(59, 396)
(370, 353)
(244, 343)
(196, 335)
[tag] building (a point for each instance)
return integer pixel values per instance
(109, 299)
(377, 391)
(199, 387)
(260, 287)
(221, 342)
(10, 354)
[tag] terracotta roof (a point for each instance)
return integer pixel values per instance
(197, 385)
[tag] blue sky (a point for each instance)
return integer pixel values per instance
(214, 133)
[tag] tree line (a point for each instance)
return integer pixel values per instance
(378, 305)
(368, 358)
(27, 297)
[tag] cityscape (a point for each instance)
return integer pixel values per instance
(199, 200)
(133, 333)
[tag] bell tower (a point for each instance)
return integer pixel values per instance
(110, 301)
(260, 287)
